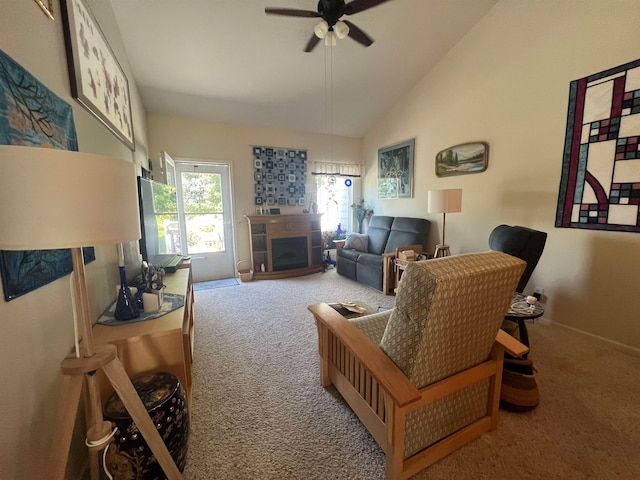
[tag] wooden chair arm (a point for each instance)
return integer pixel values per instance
(381, 367)
(510, 344)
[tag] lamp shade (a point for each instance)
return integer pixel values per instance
(63, 199)
(444, 201)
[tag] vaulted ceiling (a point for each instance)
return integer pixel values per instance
(226, 60)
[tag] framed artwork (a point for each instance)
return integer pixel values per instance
(395, 170)
(47, 7)
(97, 80)
(32, 115)
(462, 159)
(600, 181)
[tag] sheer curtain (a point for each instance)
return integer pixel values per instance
(335, 183)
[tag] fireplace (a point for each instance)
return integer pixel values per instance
(289, 253)
(287, 245)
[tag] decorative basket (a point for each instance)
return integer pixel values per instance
(246, 274)
(519, 392)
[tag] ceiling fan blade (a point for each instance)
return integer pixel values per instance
(361, 5)
(358, 35)
(311, 44)
(291, 12)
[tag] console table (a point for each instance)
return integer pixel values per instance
(162, 344)
(287, 245)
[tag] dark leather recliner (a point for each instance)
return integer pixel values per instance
(522, 242)
(385, 235)
(526, 244)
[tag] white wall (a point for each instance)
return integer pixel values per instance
(228, 143)
(507, 83)
(37, 328)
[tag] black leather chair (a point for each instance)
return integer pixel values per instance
(521, 242)
(526, 244)
(519, 390)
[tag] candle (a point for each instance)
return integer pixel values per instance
(120, 255)
(150, 302)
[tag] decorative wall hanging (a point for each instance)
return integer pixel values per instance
(462, 159)
(97, 80)
(395, 170)
(280, 176)
(32, 115)
(600, 182)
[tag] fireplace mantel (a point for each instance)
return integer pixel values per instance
(263, 229)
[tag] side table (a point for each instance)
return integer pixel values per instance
(399, 267)
(519, 312)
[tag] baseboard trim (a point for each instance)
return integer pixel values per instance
(608, 340)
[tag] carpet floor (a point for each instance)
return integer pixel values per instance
(259, 411)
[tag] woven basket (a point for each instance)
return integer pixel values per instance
(246, 274)
(519, 392)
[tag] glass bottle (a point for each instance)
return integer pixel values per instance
(126, 307)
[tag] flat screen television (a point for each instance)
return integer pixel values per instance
(160, 243)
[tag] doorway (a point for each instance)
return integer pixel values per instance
(205, 211)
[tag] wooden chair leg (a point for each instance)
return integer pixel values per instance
(395, 443)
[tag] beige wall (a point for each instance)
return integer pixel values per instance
(37, 328)
(507, 83)
(200, 140)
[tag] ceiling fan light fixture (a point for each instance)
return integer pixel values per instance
(341, 30)
(321, 29)
(330, 39)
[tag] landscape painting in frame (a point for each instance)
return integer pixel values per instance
(395, 170)
(462, 159)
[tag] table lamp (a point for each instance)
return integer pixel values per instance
(444, 201)
(51, 199)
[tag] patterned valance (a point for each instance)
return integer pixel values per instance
(336, 169)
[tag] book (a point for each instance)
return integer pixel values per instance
(345, 309)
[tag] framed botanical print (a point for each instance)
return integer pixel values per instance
(97, 80)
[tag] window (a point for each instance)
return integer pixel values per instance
(334, 201)
(335, 183)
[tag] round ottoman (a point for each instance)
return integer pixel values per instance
(128, 456)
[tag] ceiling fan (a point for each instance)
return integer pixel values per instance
(331, 26)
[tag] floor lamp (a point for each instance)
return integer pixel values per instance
(444, 201)
(52, 199)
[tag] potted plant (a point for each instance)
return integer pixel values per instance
(361, 211)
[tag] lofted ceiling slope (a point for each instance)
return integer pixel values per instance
(227, 61)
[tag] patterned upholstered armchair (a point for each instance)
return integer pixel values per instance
(424, 377)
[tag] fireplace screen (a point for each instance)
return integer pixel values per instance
(289, 253)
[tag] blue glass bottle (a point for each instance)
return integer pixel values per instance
(126, 306)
